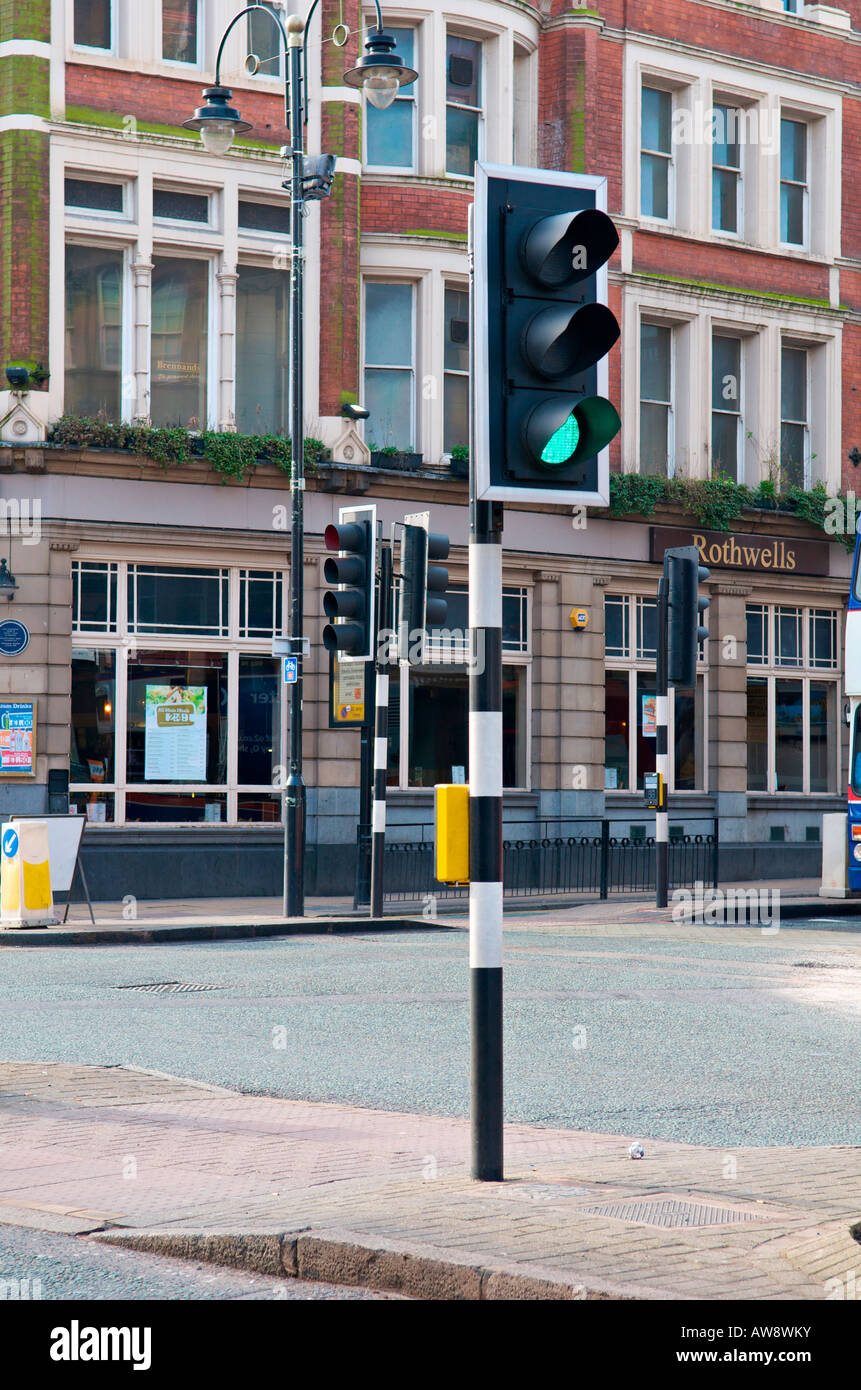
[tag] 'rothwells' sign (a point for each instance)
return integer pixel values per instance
(765, 554)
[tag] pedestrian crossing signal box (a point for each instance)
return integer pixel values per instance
(654, 788)
(451, 804)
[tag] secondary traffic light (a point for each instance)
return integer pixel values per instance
(683, 575)
(421, 584)
(542, 334)
(349, 606)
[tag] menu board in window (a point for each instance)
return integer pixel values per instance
(175, 733)
(17, 738)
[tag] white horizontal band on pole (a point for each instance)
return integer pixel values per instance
(381, 752)
(25, 48)
(485, 586)
(662, 709)
(485, 926)
(382, 689)
(378, 817)
(485, 753)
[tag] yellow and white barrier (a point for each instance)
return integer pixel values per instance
(26, 899)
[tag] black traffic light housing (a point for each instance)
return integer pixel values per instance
(422, 584)
(349, 603)
(542, 331)
(683, 575)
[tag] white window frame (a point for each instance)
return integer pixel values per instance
(463, 288)
(455, 32)
(807, 463)
(270, 73)
(771, 671)
(654, 321)
(739, 171)
(125, 643)
(88, 48)
(174, 63)
(804, 244)
(415, 415)
(652, 84)
(739, 414)
(407, 94)
(636, 663)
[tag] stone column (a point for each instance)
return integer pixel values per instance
(227, 279)
(727, 722)
(142, 272)
(581, 696)
(547, 771)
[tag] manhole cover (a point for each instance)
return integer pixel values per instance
(169, 987)
(672, 1212)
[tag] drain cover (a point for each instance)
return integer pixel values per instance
(671, 1212)
(169, 987)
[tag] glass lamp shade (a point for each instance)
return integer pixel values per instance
(217, 136)
(381, 86)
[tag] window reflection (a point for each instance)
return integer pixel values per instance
(262, 351)
(179, 342)
(93, 332)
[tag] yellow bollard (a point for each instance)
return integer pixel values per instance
(451, 802)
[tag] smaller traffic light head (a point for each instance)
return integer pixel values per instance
(683, 573)
(349, 605)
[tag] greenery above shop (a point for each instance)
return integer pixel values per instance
(716, 503)
(230, 454)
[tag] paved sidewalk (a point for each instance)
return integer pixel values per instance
(176, 919)
(87, 1149)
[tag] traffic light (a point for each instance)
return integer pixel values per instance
(350, 605)
(683, 575)
(421, 584)
(542, 332)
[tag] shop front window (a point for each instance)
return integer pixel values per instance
(257, 752)
(180, 299)
(93, 715)
(792, 734)
(438, 722)
(177, 718)
(94, 332)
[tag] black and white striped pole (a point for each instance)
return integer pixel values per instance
(485, 809)
(381, 731)
(662, 756)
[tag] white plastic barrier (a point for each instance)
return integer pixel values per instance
(26, 899)
(834, 853)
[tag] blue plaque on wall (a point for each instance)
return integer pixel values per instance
(14, 637)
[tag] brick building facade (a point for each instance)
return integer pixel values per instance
(144, 280)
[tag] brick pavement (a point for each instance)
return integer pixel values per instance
(89, 1148)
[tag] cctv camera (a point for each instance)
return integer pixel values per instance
(355, 412)
(18, 378)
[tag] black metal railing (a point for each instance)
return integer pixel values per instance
(557, 857)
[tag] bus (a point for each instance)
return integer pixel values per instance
(852, 668)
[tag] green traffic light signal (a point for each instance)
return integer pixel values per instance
(561, 445)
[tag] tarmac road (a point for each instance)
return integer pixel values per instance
(703, 1035)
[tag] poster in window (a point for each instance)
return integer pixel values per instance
(175, 733)
(347, 697)
(650, 716)
(17, 738)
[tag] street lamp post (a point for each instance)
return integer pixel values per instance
(380, 73)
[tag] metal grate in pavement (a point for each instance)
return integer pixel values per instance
(672, 1212)
(169, 987)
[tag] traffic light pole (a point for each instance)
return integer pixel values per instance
(294, 826)
(381, 732)
(662, 757)
(485, 808)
